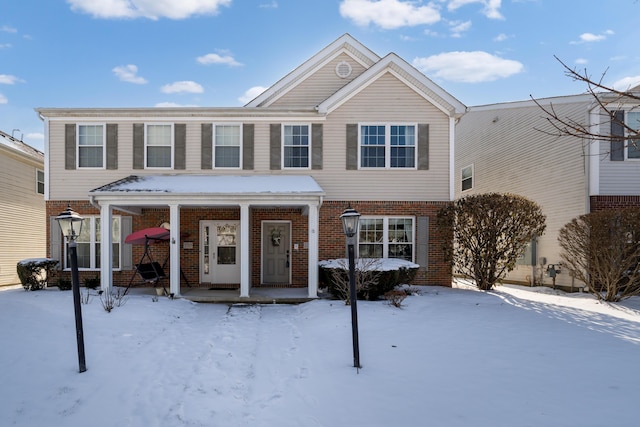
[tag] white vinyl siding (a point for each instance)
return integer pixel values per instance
(91, 145)
(158, 146)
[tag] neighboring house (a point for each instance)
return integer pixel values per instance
(510, 147)
(253, 194)
(22, 206)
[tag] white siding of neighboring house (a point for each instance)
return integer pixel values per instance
(22, 213)
(510, 155)
(616, 178)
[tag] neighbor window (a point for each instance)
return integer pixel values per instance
(88, 242)
(40, 181)
(159, 145)
(633, 144)
(467, 178)
(91, 146)
(296, 143)
(226, 146)
(388, 146)
(386, 237)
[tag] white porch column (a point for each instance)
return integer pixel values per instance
(174, 249)
(245, 261)
(106, 245)
(313, 250)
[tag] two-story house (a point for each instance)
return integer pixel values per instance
(22, 206)
(253, 194)
(512, 147)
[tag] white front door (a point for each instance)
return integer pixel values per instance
(220, 252)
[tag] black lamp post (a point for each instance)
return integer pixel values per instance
(350, 219)
(71, 225)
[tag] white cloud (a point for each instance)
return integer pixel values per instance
(129, 73)
(491, 7)
(457, 28)
(251, 93)
(5, 46)
(626, 83)
(8, 29)
(3, 99)
(7, 79)
(151, 9)
(272, 5)
(593, 38)
(468, 67)
(581, 61)
(172, 105)
(214, 58)
(389, 14)
(183, 86)
(35, 135)
(500, 37)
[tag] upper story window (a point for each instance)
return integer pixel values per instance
(39, 181)
(91, 146)
(227, 146)
(386, 237)
(467, 178)
(88, 242)
(158, 145)
(296, 141)
(388, 146)
(633, 144)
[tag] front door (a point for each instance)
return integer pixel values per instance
(276, 252)
(220, 252)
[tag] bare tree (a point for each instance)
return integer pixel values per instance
(611, 102)
(602, 249)
(490, 231)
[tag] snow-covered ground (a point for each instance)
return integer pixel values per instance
(450, 357)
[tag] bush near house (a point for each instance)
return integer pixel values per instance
(34, 272)
(602, 249)
(374, 276)
(490, 231)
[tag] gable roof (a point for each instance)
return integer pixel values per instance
(397, 66)
(343, 44)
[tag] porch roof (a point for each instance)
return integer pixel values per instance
(188, 189)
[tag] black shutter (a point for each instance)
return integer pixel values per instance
(138, 146)
(423, 147)
(352, 147)
(247, 146)
(112, 146)
(316, 146)
(422, 245)
(617, 136)
(275, 141)
(70, 146)
(206, 150)
(180, 145)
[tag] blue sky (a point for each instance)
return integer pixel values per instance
(142, 53)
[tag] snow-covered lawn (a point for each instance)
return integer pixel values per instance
(450, 357)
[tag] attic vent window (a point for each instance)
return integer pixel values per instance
(343, 70)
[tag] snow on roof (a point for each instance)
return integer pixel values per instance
(214, 184)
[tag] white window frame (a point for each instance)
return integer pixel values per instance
(627, 140)
(282, 147)
(387, 146)
(146, 146)
(214, 146)
(385, 234)
(104, 145)
(38, 181)
(93, 243)
(463, 179)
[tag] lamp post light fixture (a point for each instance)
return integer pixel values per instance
(350, 219)
(71, 225)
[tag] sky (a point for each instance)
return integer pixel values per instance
(223, 53)
(454, 357)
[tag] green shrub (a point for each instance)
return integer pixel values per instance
(374, 277)
(92, 282)
(63, 284)
(34, 272)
